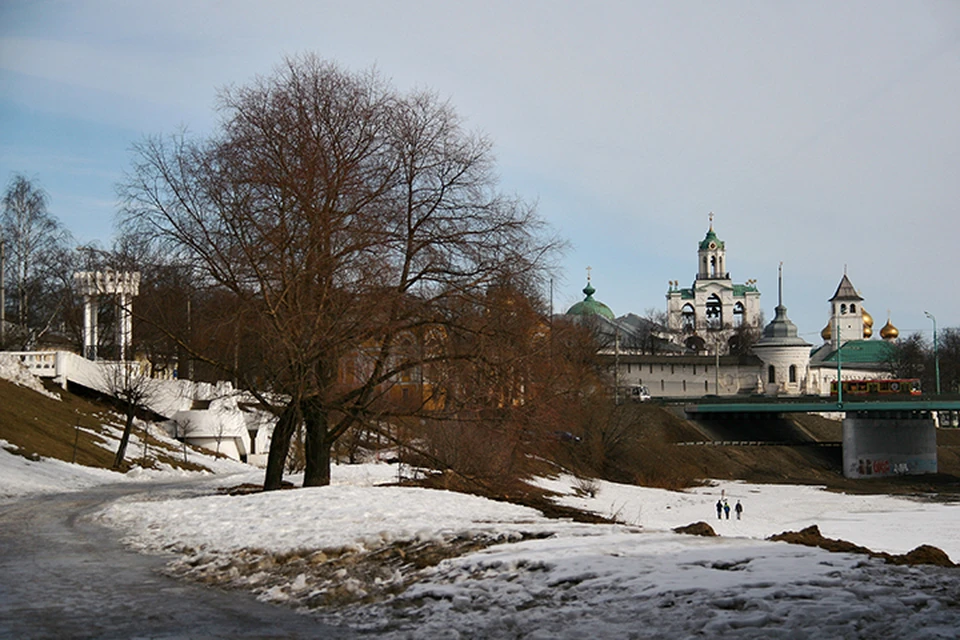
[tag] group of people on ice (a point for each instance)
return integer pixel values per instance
(723, 509)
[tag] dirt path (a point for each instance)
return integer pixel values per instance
(63, 576)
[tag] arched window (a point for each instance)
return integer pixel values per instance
(713, 266)
(793, 373)
(738, 311)
(843, 308)
(853, 308)
(688, 317)
(714, 312)
(771, 374)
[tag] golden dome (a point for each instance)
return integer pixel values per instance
(826, 333)
(889, 332)
(867, 331)
(867, 318)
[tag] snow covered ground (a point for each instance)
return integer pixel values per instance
(559, 579)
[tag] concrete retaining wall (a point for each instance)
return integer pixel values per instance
(899, 443)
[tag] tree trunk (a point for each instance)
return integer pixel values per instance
(280, 446)
(124, 439)
(318, 444)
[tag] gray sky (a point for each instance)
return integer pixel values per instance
(821, 134)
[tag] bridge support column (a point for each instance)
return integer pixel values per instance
(889, 443)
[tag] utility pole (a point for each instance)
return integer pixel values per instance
(616, 367)
(936, 349)
(839, 369)
(190, 338)
(716, 368)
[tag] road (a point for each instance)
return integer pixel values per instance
(64, 576)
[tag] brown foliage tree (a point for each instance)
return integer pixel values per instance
(337, 216)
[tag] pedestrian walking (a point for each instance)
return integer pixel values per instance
(738, 509)
(719, 509)
(726, 509)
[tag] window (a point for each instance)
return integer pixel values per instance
(694, 369)
(738, 311)
(714, 312)
(853, 308)
(651, 369)
(793, 373)
(673, 369)
(706, 387)
(661, 385)
(771, 374)
(684, 386)
(843, 308)
(688, 317)
(628, 367)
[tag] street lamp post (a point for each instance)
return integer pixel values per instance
(936, 349)
(839, 369)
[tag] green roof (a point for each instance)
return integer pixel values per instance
(740, 289)
(710, 237)
(590, 307)
(862, 352)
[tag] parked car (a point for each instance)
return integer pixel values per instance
(639, 393)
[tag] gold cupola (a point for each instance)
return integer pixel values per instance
(827, 333)
(889, 332)
(867, 323)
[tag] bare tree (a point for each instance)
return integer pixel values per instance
(36, 249)
(132, 387)
(339, 216)
(182, 428)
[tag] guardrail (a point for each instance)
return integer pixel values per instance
(755, 443)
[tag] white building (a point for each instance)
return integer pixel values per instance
(692, 357)
(784, 354)
(707, 315)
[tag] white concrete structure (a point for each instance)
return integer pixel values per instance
(214, 416)
(123, 286)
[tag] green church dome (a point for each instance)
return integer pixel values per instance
(711, 238)
(590, 307)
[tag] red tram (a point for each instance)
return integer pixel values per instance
(880, 387)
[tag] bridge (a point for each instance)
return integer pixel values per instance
(824, 405)
(881, 436)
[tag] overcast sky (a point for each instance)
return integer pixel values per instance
(821, 134)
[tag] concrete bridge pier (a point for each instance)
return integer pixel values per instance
(889, 443)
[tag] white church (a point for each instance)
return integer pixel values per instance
(697, 353)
